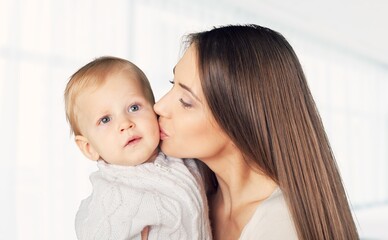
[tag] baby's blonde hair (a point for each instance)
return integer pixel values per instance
(94, 74)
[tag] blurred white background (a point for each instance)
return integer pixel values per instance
(43, 177)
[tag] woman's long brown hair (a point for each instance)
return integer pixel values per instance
(257, 91)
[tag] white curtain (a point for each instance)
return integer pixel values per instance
(43, 177)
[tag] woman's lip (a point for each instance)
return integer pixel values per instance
(163, 135)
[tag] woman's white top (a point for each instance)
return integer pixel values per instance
(271, 221)
(167, 195)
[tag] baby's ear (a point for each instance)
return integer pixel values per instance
(86, 148)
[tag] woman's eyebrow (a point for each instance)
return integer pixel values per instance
(190, 91)
(187, 88)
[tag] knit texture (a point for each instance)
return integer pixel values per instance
(167, 195)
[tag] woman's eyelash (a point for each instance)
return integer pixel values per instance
(184, 104)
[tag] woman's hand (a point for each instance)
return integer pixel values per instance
(144, 233)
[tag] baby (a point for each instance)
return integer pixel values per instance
(109, 105)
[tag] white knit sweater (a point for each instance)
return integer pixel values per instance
(167, 195)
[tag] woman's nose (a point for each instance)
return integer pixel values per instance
(160, 107)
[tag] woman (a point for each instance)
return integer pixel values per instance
(240, 104)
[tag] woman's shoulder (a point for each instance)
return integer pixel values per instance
(271, 220)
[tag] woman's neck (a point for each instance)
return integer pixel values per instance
(241, 186)
(240, 190)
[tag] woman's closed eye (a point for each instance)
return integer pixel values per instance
(184, 103)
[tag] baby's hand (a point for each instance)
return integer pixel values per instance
(144, 233)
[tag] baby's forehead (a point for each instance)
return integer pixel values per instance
(114, 85)
(131, 76)
(100, 81)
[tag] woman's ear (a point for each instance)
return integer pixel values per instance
(86, 148)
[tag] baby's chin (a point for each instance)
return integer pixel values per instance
(152, 156)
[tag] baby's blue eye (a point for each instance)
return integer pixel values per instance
(134, 108)
(105, 120)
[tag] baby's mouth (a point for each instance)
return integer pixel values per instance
(132, 141)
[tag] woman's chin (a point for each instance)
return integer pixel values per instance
(170, 151)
